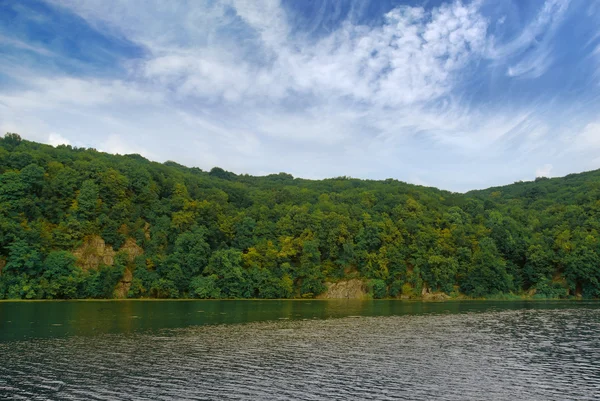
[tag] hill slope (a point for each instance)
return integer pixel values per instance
(77, 223)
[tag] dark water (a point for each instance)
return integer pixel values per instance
(318, 350)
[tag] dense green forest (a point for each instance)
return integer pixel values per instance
(78, 223)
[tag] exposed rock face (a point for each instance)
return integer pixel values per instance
(349, 289)
(93, 253)
(436, 296)
(428, 295)
(132, 249)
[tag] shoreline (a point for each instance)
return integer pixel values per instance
(451, 300)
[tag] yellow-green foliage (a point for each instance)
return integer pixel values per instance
(81, 223)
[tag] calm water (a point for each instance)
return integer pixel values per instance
(306, 350)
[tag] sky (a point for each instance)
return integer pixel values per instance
(459, 95)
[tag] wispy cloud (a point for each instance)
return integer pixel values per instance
(11, 42)
(534, 42)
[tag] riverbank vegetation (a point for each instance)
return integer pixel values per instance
(78, 223)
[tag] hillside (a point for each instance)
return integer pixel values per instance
(78, 223)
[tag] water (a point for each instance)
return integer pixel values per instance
(317, 350)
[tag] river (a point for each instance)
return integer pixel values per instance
(299, 350)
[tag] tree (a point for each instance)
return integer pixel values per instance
(101, 283)
(23, 257)
(87, 201)
(192, 252)
(226, 265)
(378, 288)
(487, 273)
(310, 273)
(218, 234)
(11, 140)
(62, 275)
(440, 272)
(205, 287)
(538, 266)
(582, 272)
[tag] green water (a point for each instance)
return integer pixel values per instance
(300, 350)
(50, 319)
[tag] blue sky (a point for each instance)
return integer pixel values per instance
(458, 95)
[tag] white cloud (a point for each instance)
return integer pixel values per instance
(532, 66)
(55, 139)
(43, 92)
(229, 83)
(413, 57)
(117, 144)
(544, 171)
(589, 138)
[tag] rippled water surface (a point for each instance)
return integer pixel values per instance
(385, 350)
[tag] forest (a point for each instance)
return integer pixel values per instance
(79, 223)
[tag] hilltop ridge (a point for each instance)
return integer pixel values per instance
(78, 223)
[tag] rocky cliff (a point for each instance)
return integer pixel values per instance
(94, 252)
(348, 289)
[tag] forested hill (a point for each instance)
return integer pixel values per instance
(78, 223)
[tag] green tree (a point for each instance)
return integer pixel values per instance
(192, 252)
(62, 275)
(205, 287)
(88, 201)
(226, 265)
(487, 274)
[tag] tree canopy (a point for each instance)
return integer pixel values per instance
(78, 223)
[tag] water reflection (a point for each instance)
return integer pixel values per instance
(437, 351)
(22, 320)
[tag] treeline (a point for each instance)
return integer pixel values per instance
(78, 223)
